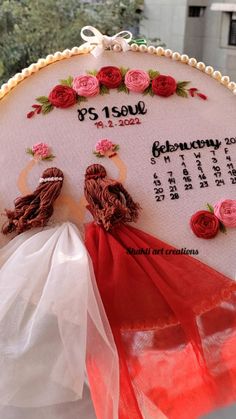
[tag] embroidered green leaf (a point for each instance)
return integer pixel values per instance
(47, 107)
(104, 90)
(117, 147)
(43, 100)
(123, 88)
(97, 154)
(138, 41)
(210, 207)
(153, 73)
(81, 99)
(92, 72)
(49, 158)
(29, 151)
(222, 228)
(123, 71)
(181, 84)
(67, 82)
(148, 91)
(181, 92)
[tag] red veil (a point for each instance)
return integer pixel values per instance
(173, 319)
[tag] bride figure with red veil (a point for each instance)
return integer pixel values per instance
(173, 317)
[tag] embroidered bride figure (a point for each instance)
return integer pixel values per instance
(173, 317)
(53, 327)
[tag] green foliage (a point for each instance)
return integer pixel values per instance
(47, 107)
(153, 74)
(223, 228)
(124, 71)
(92, 72)
(104, 90)
(43, 100)
(123, 88)
(81, 99)
(67, 82)
(31, 29)
(29, 151)
(210, 207)
(148, 91)
(181, 88)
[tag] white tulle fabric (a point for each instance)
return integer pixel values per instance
(52, 323)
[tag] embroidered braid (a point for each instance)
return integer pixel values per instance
(35, 209)
(109, 202)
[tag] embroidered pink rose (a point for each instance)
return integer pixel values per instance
(86, 85)
(225, 211)
(103, 146)
(137, 80)
(41, 151)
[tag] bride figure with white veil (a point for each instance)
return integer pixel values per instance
(54, 334)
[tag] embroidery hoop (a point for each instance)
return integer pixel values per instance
(153, 218)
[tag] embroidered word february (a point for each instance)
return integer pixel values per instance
(167, 147)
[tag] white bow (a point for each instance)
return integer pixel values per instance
(103, 42)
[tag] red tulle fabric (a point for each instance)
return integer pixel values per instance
(174, 323)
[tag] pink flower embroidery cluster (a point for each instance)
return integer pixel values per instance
(104, 146)
(86, 85)
(137, 80)
(206, 224)
(78, 89)
(40, 151)
(225, 211)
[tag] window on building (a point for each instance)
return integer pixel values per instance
(232, 29)
(196, 11)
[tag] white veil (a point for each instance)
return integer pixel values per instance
(52, 323)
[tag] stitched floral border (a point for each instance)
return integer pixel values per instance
(80, 88)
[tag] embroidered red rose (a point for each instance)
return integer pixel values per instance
(204, 224)
(110, 77)
(62, 96)
(164, 86)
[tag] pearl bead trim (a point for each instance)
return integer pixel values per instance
(159, 51)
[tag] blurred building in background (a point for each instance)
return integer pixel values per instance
(204, 29)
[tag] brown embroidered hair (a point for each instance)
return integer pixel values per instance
(109, 202)
(35, 209)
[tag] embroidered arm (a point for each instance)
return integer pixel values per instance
(22, 182)
(121, 166)
(75, 209)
